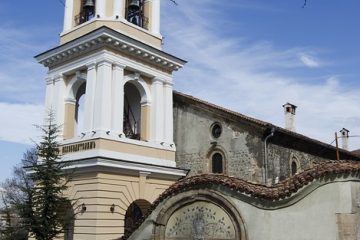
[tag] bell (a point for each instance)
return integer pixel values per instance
(89, 4)
(134, 5)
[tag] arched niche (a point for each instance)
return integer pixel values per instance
(295, 166)
(137, 107)
(199, 214)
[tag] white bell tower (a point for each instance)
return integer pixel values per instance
(139, 19)
(110, 85)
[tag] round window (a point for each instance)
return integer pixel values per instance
(216, 130)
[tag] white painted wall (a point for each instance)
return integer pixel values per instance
(312, 218)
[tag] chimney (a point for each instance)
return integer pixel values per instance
(290, 112)
(345, 138)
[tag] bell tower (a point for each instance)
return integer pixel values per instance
(109, 86)
(139, 19)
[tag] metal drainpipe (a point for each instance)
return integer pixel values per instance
(265, 154)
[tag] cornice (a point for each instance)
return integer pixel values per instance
(117, 165)
(106, 37)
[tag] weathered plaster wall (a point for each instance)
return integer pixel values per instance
(241, 143)
(316, 216)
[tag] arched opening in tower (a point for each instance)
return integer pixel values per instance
(132, 111)
(87, 11)
(79, 109)
(136, 211)
(137, 12)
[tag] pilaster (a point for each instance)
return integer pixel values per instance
(90, 97)
(102, 106)
(49, 94)
(100, 8)
(118, 10)
(68, 15)
(155, 16)
(168, 112)
(118, 98)
(58, 103)
(158, 110)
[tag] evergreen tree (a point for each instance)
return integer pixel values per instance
(37, 191)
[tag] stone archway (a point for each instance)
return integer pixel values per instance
(199, 214)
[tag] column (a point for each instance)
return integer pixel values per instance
(168, 112)
(118, 11)
(100, 8)
(158, 110)
(68, 16)
(89, 97)
(155, 17)
(118, 98)
(102, 106)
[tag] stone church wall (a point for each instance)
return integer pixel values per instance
(241, 144)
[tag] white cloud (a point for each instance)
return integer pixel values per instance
(17, 122)
(255, 78)
(21, 78)
(308, 60)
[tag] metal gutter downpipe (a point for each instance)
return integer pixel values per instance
(265, 154)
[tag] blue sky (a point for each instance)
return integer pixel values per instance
(251, 56)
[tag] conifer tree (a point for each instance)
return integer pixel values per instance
(38, 191)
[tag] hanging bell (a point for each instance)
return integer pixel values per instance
(134, 5)
(89, 4)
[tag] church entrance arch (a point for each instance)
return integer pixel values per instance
(199, 214)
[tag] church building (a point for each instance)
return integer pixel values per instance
(153, 163)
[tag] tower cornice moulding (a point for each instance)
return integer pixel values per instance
(106, 37)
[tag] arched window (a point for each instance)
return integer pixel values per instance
(294, 168)
(134, 213)
(132, 111)
(217, 163)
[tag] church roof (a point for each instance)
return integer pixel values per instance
(282, 136)
(283, 190)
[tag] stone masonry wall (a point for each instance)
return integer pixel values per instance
(241, 144)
